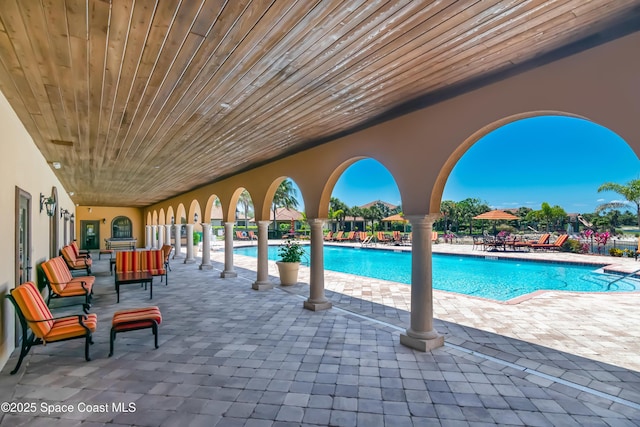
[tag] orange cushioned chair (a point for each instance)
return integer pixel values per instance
(73, 262)
(34, 315)
(62, 284)
(151, 261)
(166, 253)
(80, 253)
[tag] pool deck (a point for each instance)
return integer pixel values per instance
(232, 356)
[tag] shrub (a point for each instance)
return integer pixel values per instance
(574, 246)
(615, 252)
(629, 253)
(290, 251)
(196, 237)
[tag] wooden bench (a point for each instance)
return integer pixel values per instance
(129, 244)
(133, 319)
(149, 261)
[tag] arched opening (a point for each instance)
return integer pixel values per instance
(244, 213)
(546, 170)
(286, 210)
(364, 202)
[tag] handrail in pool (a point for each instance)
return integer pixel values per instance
(621, 278)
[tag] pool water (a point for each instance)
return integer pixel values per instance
(496, 279)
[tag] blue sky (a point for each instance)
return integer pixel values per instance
(558, 160)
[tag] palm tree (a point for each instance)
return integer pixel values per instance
(448, 210)
(631, 192)
(246, 203)
(285, 197)
(338, 210)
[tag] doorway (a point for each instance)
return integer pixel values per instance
(23, 266)
(89, 235)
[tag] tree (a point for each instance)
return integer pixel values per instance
(630, 191)
(470, 207)
(285, 197)
(550, 214)
(247, 204)
(448, 210)
(367, 214)
(337, 211)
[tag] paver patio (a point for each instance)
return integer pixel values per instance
(232, 356)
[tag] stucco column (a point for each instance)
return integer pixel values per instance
(206, 247)
(148, 241)
(317, 300)
(154, 237)
(167, 238)
(189, 259)
(160, 236)
(262, 281)
(178, 252)
(421, 335)
(228, 251)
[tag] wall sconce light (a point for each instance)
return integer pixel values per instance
(195, 217)
(104, 220)
(72, 217)
(173, 220)
(64, 214)
(49, 203)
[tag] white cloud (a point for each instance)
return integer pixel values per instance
(600, 200)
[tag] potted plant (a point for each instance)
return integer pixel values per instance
(290, 253)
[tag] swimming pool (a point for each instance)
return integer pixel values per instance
(496, 279)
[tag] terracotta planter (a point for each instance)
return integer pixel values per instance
(288, 272)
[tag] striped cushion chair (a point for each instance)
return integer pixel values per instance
(127, 262)
(35, 316)
(73, 262)
(153, 262)
(61, 284)
(80, 253)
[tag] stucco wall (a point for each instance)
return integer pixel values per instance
(98, 213)
(23, 166)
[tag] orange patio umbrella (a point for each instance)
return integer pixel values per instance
(496, 215)
(397, 218)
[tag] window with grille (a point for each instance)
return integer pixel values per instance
(121, 228)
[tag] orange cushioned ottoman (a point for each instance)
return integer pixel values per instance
(133, 319)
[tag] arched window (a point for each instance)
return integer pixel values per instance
(121, 228)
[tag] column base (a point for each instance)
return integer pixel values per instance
(226, 274)
(317, 306)
(262, 286)
(190, 261)
(422, 344)
(206, 267)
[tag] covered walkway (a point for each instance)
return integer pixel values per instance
(231, 356)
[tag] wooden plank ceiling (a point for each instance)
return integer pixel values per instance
(141, 100)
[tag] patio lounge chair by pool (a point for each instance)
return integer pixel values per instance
(241, 236)
(552, 246)
(380, 236)
(328, 237)
(544, 239)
